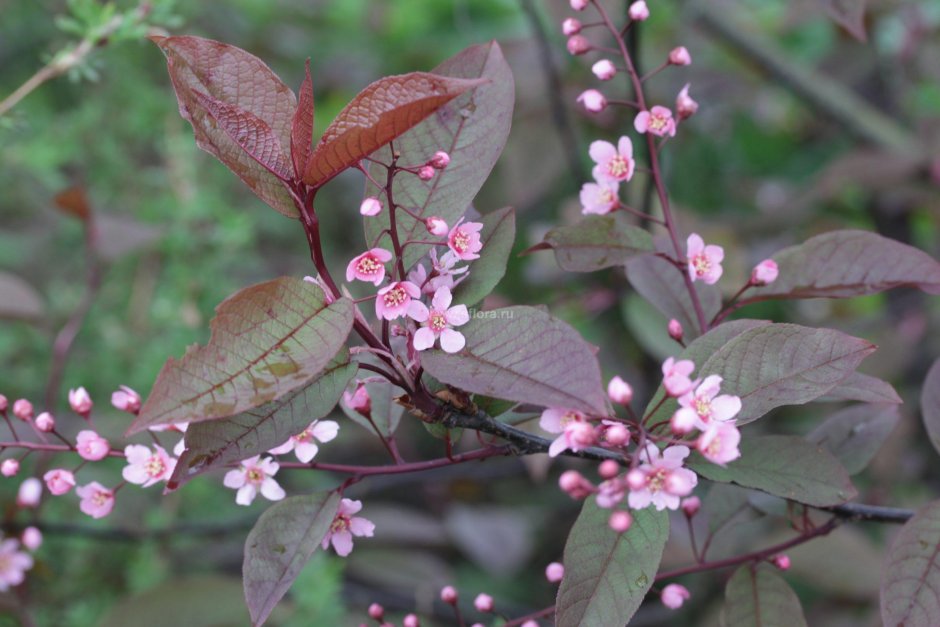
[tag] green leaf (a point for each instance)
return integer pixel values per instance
(597, 242)
(523, 354)
(267, 340)
(855, 434)
(786, 466)
(607, 574)
(220, 442)
(280, 544)
(756, 596)
(472, 129)
(910, 585)
(930, 404)
(498, 235)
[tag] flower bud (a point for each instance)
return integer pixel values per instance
(370, 206)
(604, 70)
(555, 572)
(620, 521)
(636, 479)
(31, 538)
(579, 5)
(685, 105)
(619, 391)
(593, 100)
(674, 595)
(483, 603)
(449, 595)
(782, 561)
(618, 435)
(691, 506)
(680, 56)
(436, 226)
(529, 623)
(23, 409)
(359, 400)
(675, 330)
(59, 481)
(638, 11)
(575, 485)
(376, 611)
(608, 469)
(80, 402)
(45, 422)
(3, 403)
(410, 621)
(571, 26)
(9, 467)
(426, 173)
(578, 45)
(30, 493)
(765, 272)
(440, 160)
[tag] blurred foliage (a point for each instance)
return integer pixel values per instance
(752, 171)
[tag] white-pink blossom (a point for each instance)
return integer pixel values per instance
(620, 521)
(254, 475)
(619, 391)
(13, 564)
(464, 240)
(358, 400)
(23, 409)
(345, 526)
(439, 160)
(718, 443)
(369, 266)
(126, 399)
(304, 444)
(555, 572)
(578, 45)
(29, 493)
(593, 100)
(570, 26)
(59, 481)
(438, 322)
(614, 163)
(436, 226)
(638, 11)
(604, 70)
(765, 272)
(680, 56)
(578, 5)
(146, 467)
(9, 467)
(660, 480)
(371, 206)
(576, 433)
(97, 501)
(674, 595)
(676, 376)
(704, 261)
(45, 422)
(91, 446)
(80, 401)
(394, 299)
(685, 105)
(704, 406)
(599, 198)
(657, 121)
(31, 538)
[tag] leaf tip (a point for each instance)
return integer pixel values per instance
(534, 249)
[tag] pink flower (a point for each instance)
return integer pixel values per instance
(638, 11)
(438, 322)
(23, 409)
(31, 538)
(575, 485)
(45, 422)
(555, 572)
(599, 198)
(576, 432)
(80, 401)
(685, 105)
(680, 56)
(704, 261)
(394, 299)
(359, 400)
(126, 399)
(443, 273)
(619, 391)
(464, 241)
(92, 446)
(614, 164)
(765, 272)
(620, 521)
(610, 492)
(593, 100)
(376, 611)
(304, 444)
(426, 172)
(657, 121)
(719, 443)
(675, 330)
(570, 26)
(97, 501)
(254, 475)
(436, 226)
(59, 481)
(604, 70)
(691, 506)
(577, 45)
(345, 526)
(578, 5)
(703, 406)
(674, 596)
(410, 620)
(483, 603)
(782, 561)
(660, 480)
(371, 206)
(30, 492)
(676, 376)
(9, 467)
(13, 564)
(369, 266)
(440, 160)
(145, 468)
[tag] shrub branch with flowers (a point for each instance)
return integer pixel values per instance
(399, 323)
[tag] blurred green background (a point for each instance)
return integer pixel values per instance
(761, 166)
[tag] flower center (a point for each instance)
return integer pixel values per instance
(656, 481)
(395, 296)
(368, 265)
(437, 322)
(714, 447)
(461, 241)
(618, 167)
(701, 265)
(657, 122)
(255, 476)
(569, 418)
(703, 408)
(155, 466)
(340, 523)
(100, 498)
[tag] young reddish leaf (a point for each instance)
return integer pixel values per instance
(855, 433)
(842, 264)
(850, 14)
(472, 129)
(301, 134)
(279, 546)
(865, 388)
(386, 413)
(377, 115)
(910, 584)
(930, 404)
(237, 79)
(598, 242)
(215, 443)
(786, 466)
(607, 574)
(498, 235)
(523, 354)
(267, 340)
(756, 596)
(661, 283)
(251, 133)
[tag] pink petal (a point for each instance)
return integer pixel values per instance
(551, 420)
(424, 339)
(442, 299)
(349, 507)
(136, 453)
(361, 527)
(641, 122)
(602, 151)
(351, 269)
(135, 474)
(418, 311)
(342, 543)
(452, 341)
(325, 430)
(457, 316)
(715, 253)
(306, 451)
(725, 407)
(271, 490)
(694, 245)
(381, 254)
(234, 478)
(283, 449)
(246, 494)
(558, 445)
(625, 147)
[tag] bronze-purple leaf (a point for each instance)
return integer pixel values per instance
(756, 595)
(267, 340)
(301, 134)
(910, 584)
